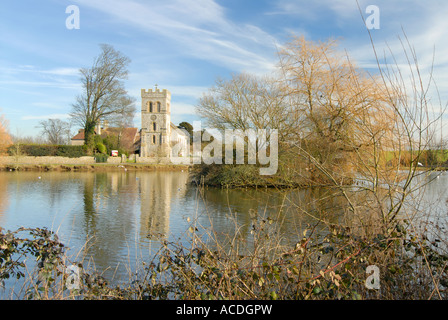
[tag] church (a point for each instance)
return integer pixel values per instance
(158, 134)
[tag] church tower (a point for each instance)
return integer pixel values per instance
(156, 121)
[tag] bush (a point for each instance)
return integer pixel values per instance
(41, 150)
(325, 264)
(100, 158)
(101, 148)
(70, 151)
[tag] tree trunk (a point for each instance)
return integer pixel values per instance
(89, 137)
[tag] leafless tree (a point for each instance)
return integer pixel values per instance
(245, 102)
(104, 96)
(56, 131)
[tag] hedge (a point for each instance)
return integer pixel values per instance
(42, 150)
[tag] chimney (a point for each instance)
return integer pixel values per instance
(98, 128)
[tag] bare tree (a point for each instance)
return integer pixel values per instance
(56, 131)
(104, 96)
(245, 102)
(328, 112)
(340, 111)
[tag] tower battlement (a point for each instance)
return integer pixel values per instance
(157, 92)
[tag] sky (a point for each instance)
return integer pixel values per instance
(185, 45)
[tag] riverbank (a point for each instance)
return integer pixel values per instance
(93, 167)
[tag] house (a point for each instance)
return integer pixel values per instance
(78, 139)
(129, 137)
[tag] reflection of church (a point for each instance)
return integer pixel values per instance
(158, 190)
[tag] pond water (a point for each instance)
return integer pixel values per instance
(117, 219)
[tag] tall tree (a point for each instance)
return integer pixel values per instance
(340, 110)
(104, 96)
(245, 102)
(5, 138)
(188, 127)
(329, 113)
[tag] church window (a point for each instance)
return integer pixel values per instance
(150, 107)
(159, 107)
(154, 139)
(154, 126)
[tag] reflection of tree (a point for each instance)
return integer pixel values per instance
(290, 210)
(110, 211)
(89, 206)
(108, 216)
(4, 201)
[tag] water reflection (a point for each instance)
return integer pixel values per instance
(157, 191)
(3, 197)
(292, 211)
(108, 216)
(107, 220)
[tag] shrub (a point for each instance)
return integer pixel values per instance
(40, 150)
(101, 148)
(70, 151)
(322, 265)
(100, 158)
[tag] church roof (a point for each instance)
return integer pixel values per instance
(179, 130)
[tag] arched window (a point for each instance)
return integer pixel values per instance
(154, 139)
(154, 126)
(150, 106)
(159, 106)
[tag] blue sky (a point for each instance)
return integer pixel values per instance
(184, 45)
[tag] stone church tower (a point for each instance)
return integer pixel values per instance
(156, 121)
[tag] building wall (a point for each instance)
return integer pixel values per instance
(181, 140)
(46, 160)
(77, 142)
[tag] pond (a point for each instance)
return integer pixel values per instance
(115, 220)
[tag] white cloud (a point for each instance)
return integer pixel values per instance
(50, 84)
(61, 116)
(62, 71)
(196, 28)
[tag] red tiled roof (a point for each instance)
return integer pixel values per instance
(129, 136)
(79, 136)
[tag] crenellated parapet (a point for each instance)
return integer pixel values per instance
(156, 93)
